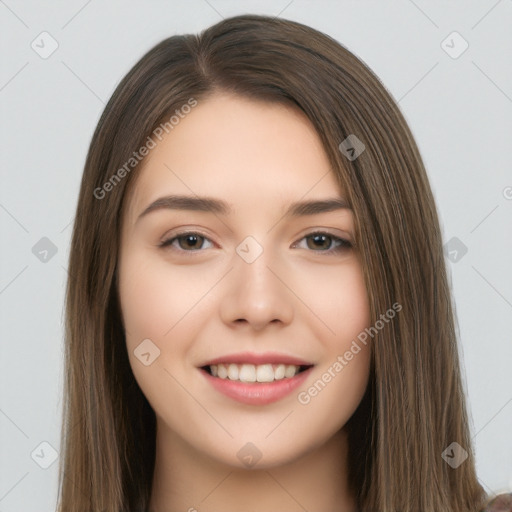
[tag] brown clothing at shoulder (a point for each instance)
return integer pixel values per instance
(500, 503)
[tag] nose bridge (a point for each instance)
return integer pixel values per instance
(255, 295)
(252, 269)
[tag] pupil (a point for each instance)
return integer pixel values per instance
(191, 240)
(321, 241)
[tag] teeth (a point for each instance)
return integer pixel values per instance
(222, 371)
(233, 372)
(265, 373)
(254, 373)
(247, 373)
(279, 372)
(290, 371)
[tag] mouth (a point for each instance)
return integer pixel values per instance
(251, 373)
(256, 379)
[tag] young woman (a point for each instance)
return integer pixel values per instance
(258, 314)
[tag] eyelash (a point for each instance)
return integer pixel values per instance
(343, 244)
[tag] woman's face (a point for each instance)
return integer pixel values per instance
(259, 276)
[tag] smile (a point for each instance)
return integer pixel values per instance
(256, 379)
(254, 373)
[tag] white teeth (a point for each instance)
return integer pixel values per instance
(265, 373)
(254, 373)
(233, 372)
(290, 371)
(247, 373)
(222, 371)
(279, 372)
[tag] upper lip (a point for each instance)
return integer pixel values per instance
(258, 359)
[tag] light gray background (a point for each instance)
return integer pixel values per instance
(459, 109)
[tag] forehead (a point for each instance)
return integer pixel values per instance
(244, 151)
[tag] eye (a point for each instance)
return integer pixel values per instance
(318, 242)
(324, 242)
(189, 241)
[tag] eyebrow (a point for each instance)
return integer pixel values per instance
(209, 204)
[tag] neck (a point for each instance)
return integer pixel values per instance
(187, 480)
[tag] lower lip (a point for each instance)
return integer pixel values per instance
(257, 393)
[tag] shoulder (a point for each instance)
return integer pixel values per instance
(499, 503)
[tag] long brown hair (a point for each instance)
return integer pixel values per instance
(414, 407)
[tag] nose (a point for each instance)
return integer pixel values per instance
(256, 294)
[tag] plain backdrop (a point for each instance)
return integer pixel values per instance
(457, 100)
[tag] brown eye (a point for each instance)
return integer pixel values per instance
(325, 242)
(186, 242)
(190, 241)
(319, 241)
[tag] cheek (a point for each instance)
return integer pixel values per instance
(341, 303)
(350, 320)
(155, 297)
(163, 305)
(169, 305)
(144, 300)
(342, 377)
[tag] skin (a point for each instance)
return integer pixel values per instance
(296, 298)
